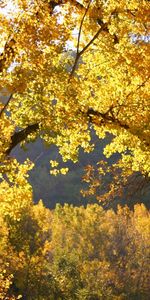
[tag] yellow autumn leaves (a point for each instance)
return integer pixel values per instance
(110, 77)
(55, 171)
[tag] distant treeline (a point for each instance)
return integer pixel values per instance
(74, 253)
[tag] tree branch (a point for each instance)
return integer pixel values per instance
(106, 117)
(79, 54)
(20, 136)
(80, 29)
(78, 42)
(5, 105)
(7, 53)
(109, 118)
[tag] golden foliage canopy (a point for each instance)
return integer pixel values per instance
(70, 66)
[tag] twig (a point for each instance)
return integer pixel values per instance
(80, 29)
(138, 87)
(78, 42)
(86, 47)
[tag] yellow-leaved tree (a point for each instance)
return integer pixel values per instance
(68, 67)
(60, 96)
